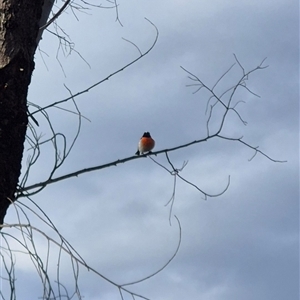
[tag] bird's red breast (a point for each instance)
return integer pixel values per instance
(146, 144)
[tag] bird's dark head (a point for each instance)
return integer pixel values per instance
(147, 134)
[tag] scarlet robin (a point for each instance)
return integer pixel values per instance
(146, 144)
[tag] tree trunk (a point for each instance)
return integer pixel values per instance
(19, 27)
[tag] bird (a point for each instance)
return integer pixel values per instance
(146, 144)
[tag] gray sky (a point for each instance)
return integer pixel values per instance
(241, 245)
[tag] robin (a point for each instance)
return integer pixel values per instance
(146, 144)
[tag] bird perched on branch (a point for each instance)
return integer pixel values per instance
(146, 144)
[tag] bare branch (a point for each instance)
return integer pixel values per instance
(67, 2)
(43, 184)
(106, 78)
(22, 190)
(252, 147)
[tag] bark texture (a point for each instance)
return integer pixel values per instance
(19, 28)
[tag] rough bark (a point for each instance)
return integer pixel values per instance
(19, 28)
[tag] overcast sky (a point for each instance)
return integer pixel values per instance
(240, 245)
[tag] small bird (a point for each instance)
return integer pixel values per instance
(146, 144)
